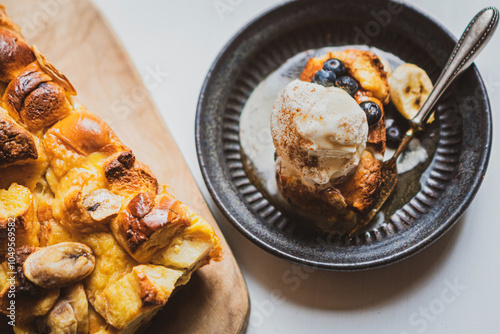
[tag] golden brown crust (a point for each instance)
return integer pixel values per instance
(17, 90)
(148, 222)
(360, 191)
(33, 99)
(128, 177)
(45, 106)
(85, 133)
(72, 140)
(52, 232)
(117, 167)
(15, 54)
(29, 174)
(17, 145)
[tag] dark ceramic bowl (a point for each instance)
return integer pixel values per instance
(447, 184)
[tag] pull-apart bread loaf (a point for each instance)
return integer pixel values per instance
(95, 243)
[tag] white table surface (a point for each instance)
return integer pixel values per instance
(183, 38)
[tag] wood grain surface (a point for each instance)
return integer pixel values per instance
(77, 39)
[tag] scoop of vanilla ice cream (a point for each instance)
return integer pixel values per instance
(319, 132)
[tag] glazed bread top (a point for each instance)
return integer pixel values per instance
(15, 53)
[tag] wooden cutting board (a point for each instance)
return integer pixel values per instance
(77, 39)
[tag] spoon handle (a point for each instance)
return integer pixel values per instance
(473, 40)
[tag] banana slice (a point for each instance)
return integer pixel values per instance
(59, 265)
(69, 315)
(60, 320)
(410, 86)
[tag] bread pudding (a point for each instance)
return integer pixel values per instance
(329, 132)
(330, 136)
(92, 242)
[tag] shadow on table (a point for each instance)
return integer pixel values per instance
(341, 290)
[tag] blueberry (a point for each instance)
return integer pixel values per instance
(372, 111)
(394, 137)
(324, 78)
(348, 84)
(334, 65)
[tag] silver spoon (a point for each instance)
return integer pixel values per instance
(474, 39)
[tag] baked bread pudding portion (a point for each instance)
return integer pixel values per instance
(90, 241)
(329, 132)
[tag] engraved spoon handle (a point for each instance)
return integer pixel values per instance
(474, 39)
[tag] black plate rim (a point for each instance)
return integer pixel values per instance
(394, 258)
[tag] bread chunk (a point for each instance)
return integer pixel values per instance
(72, 140)
(82, 202)
(15, 54)
(16, 144)
(364, 66)
(121, 290)
(148, 224)
(34, 99)
(18, 223)
(193, 246)
(360, 191)
(126, 302)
